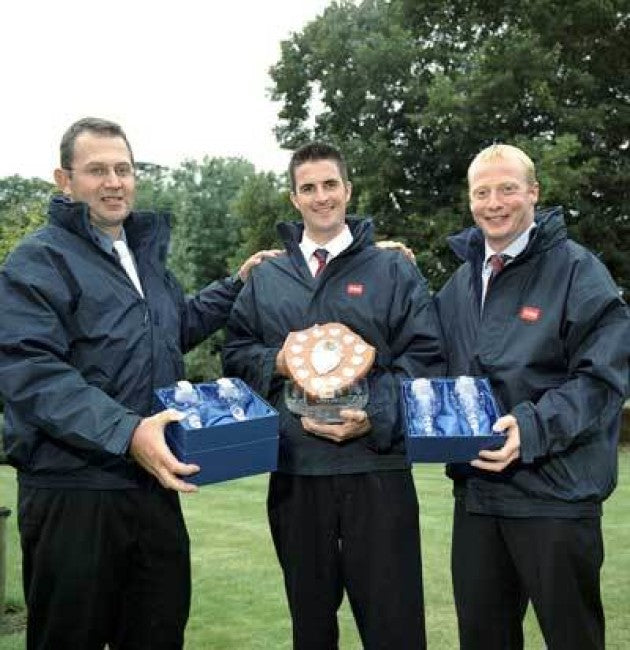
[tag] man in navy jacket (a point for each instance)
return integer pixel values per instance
(541, 317)
(342, 506)
(84, 341)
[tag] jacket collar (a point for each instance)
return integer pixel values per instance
(143, 230)
(469, 244)
(362, 231)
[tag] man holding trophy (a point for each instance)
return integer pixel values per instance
(325, 334)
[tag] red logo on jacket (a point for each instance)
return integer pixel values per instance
(530, 314)
(354, 289)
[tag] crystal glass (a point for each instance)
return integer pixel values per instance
(468, 397)
(233, 395)
(187, 400)
(425, 402)
(326, 409)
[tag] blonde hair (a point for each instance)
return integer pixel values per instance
(502, 152)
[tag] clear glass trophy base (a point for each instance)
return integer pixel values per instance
(326, 409)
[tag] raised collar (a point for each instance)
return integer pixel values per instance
(515, 248)
(334, 246)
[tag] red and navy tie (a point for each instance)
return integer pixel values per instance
(321, 255)
(497, 263)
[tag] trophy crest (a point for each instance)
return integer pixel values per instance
(327, 366)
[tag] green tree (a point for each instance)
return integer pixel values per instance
(23, 204)
(205, 235)
(262, 202)
(205, 232)
(17, 221)
(155, 190)
(16, 190)
(412, 89)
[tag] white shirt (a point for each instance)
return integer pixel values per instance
(514, 249)
(128, 263)
(127, 260)
(334, 247)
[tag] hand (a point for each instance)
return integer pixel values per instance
(149, 449)
(497, 461)
(396, 245)
(255, 259)
(355, 424)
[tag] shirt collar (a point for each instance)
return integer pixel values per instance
(514, 249)
(336, 245)
(104, 240)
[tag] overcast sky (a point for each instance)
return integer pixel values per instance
(185, 79)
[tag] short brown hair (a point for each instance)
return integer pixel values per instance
(92, 125)
(312, 152)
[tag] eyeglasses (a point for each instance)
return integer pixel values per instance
(122, 170)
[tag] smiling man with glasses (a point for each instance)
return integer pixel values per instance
(92, 322)
(98, 171)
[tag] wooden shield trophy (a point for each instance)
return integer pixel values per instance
(327, 364)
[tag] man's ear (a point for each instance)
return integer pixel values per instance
(62, 180)
(348, 190)
(294, 201)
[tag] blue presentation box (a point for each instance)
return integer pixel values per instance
(449, 437)
(229, 448)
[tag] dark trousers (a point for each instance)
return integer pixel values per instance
(501, 563)
(355, 531)
(104, 566)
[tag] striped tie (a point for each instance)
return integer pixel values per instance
(321, 255)
(497, 263)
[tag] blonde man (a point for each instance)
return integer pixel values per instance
(541, 317)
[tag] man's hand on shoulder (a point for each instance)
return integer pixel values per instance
(399, 246)
(149, 449)
(498, 460)
(355, 424)
(255, 259)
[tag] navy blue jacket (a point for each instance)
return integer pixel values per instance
(554, 339)
(378, 294)
(81, 351)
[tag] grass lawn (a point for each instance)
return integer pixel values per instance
(238, 597)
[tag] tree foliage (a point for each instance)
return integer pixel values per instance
(205, 232)
(262, 202)
(410, 90)
(17, 221)
(155, 190)
(23, 204)
(17, 191)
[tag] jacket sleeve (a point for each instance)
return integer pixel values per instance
(413, 349)
(596, 337)
(37, 380)
(244, 353)
(207, 311)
